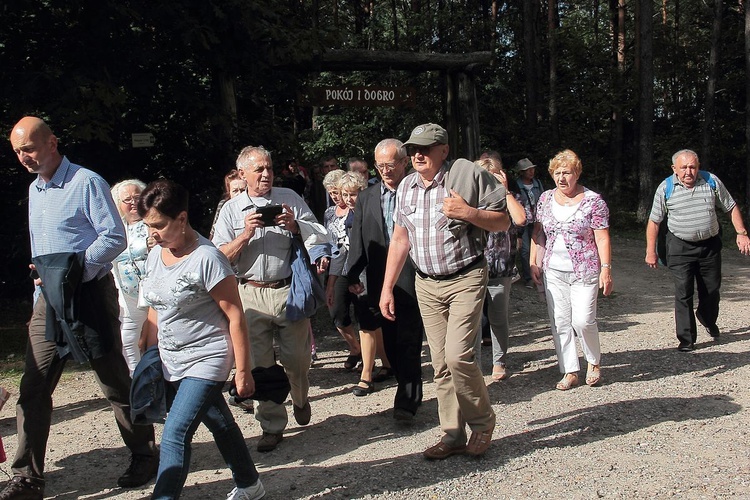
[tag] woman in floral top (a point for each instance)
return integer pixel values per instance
(500, 253)
(128, 267)
(572, 229)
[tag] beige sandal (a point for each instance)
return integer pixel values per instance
(593, 375)
(568, 381)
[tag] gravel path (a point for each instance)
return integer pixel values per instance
(663, 424)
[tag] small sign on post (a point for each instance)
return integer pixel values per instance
(143, 140)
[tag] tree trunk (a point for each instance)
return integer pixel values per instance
(552, 30)
(227, 130)
(394, 24)
(713, 70)
(617, 8)
(646, 109)
(747, 104)
(530, 64)
(469, 116)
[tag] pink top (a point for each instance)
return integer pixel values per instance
(577, 231)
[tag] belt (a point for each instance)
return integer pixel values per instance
(441, 277)
(266, 284)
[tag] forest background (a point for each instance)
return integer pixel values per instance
(624, 83)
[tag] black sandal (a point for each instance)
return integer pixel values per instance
(383, 374)
(358, 390)
(352, 361)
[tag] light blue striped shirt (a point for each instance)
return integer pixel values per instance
(74, 212)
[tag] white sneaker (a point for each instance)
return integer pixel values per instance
(252, 492)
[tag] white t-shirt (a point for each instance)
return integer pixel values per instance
(193, 332)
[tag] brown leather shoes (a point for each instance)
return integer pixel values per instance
(269, 441)
(441, 451)
(479, 442)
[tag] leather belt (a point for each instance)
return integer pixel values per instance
(441, 277)
(266, 284)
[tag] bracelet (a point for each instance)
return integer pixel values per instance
(742, 233)
(606, 266)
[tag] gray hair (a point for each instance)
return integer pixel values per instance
(386, 144)
(332, 179)
(243, 160)
(127, 182)
(685, 152)
(352, 180)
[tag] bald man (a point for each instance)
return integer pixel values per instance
(73, 221)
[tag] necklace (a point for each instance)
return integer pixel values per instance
(182, 252)
(566, 200)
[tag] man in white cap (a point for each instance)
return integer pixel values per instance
(441, 215)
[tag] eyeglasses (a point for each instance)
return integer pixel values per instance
(131, 201)
(412, 150)
(388, 167)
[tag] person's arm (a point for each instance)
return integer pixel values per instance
(106, 222)
(743, 241)
(515, 209)
(234, 247)
(603, 246)
(536, 272)
(398, 250)
(227, 296)
(330, 282)
(456, 207)
(652, 233)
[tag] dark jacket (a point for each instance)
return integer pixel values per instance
(74, 319)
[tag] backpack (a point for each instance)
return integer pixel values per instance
(661, 239)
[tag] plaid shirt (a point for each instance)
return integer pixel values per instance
(435, 250)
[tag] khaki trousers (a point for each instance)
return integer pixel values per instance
(451, 310)
(265, 310)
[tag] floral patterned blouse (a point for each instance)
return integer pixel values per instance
(129, 266)
(577, 231)
(500, 251)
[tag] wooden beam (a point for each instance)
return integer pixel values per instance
(379, 60)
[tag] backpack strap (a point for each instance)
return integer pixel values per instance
(669, 189)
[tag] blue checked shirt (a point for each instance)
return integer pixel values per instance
(74, 212)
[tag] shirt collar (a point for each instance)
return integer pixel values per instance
(438, 180)
(58, 179)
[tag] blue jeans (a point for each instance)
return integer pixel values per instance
(194, 401)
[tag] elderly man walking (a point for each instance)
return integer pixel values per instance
(441, 215)
(259, 244)
(688, 199)
(76, 233)
(368, 248)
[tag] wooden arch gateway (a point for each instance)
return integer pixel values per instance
(461, 107)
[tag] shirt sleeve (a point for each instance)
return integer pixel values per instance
(102, 214)
(214, 266)
(724, 199)
(223, 230)
(658, 209)
(599, 213)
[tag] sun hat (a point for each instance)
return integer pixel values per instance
(524, 164)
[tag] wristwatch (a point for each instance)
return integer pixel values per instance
(607, 266)
(742, 233)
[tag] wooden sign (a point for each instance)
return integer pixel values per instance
(359, 96)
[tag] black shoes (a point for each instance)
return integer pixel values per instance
(686, 347)
(403, 415)
(22, 488)
(302, 415)
(358, 390)
(383, 374)
(140, 471)
(712, 330)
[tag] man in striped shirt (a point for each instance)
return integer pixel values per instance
(443, 234)
(693, 242)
